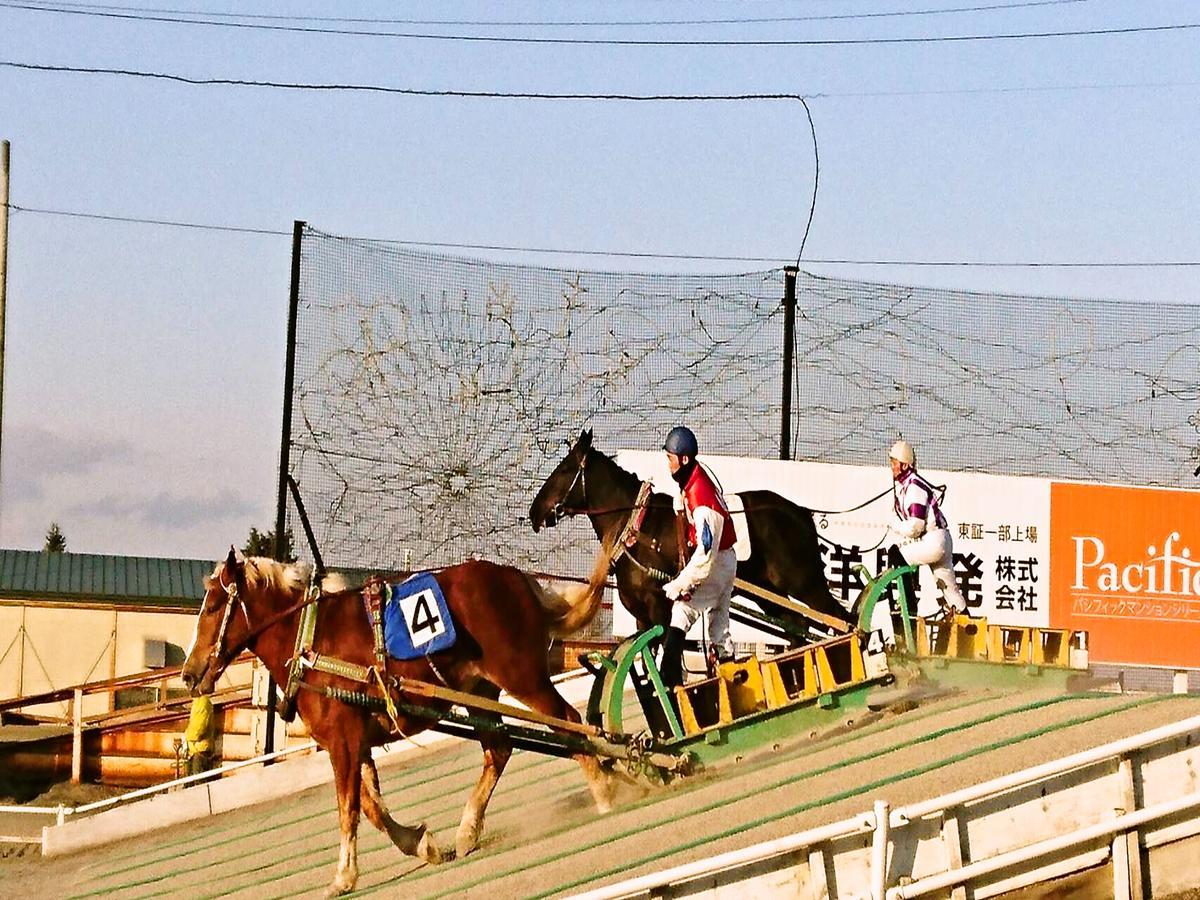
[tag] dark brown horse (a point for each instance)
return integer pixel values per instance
(785, 557)
(503, 619)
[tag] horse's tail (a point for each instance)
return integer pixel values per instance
(570, 605)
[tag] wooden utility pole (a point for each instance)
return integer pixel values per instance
(3, 272)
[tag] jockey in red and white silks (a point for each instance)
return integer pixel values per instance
(926, 539)
(706, 582)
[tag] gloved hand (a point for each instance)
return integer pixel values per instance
(673, 589)
(677, 503)
(909, 529)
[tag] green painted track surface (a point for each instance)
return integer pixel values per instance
(542, 836)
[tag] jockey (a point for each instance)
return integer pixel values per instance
(922, 527)
(706, 582)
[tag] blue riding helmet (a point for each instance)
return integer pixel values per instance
(681, 442)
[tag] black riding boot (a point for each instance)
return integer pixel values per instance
(895, 560)
(671, 667)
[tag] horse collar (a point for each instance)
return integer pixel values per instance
(631, 533)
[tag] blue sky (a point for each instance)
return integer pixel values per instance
(144, 364)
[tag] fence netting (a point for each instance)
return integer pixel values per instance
(433, 394)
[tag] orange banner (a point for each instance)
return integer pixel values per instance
(1122, 569)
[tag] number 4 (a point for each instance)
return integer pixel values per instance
(423, 617)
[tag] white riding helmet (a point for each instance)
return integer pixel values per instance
(902, 451)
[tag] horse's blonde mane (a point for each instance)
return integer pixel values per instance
(262, 572)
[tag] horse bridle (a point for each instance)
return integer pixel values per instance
(561, 507)
(560, 510)
(629, 534)
(232, 598)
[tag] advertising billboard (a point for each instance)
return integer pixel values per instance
(1122, 569)
(1114, 561)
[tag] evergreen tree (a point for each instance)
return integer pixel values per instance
(56, 541)
(262, 543)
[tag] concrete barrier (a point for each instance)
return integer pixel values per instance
(127, 821)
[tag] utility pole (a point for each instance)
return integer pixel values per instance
(3, 272)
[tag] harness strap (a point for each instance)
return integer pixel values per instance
(332, 666)
(306, 633)
(632, 533)
(373, 599)
(629, 534)
(304, 658)
(375, 594)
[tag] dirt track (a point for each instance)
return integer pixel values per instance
(543, 837)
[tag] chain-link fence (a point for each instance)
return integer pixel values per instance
(433, 394)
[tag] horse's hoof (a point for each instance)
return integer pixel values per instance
(427, 850)
(338, 890)
(465, 841)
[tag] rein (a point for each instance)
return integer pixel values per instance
(311, 596)
(840, 512)
(561, 510)
(630, 533)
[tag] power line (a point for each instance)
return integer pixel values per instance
(511, 248)
(622, 42)
(173, 223)
(549, 95)
(384, 89)
(480, 23)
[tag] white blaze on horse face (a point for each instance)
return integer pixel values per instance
(195, 635)
(196, 626)
(200, 615)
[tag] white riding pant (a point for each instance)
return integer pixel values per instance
(935, 549)
(711, 596)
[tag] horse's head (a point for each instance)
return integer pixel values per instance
(563, 493)
(221, 627)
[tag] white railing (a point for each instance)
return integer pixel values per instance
(574, 684)
(864, 871)
(62, 811)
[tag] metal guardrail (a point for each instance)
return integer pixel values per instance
(883, 822)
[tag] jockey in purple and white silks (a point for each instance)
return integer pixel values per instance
(706, 582)
(922, 526)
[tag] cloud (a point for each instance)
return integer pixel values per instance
(33, 455)
(169, 511)
(63, 453)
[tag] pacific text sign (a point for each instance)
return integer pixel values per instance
(1122, 568)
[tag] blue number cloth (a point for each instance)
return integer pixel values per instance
(416, 619)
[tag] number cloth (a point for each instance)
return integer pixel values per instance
(416, 620)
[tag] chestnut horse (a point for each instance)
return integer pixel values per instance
(503, 618)
(785, 557)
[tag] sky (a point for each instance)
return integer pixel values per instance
(143, 376)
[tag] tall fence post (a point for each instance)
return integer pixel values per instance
(77, 736)
(285, 444)
(4, 170)
(789, 335)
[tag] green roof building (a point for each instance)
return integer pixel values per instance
(71, 618)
